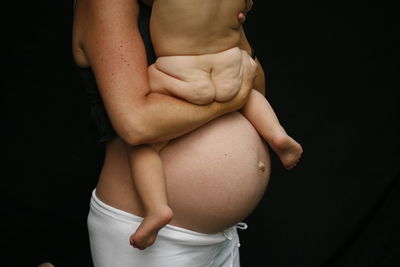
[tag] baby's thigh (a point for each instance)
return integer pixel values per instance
(186, 77)
(227, 73)
(185, 68)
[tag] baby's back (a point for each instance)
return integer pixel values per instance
(195, 27)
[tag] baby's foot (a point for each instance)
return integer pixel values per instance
(288, 150)
(147, 231)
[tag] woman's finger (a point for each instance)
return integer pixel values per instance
(241, 17)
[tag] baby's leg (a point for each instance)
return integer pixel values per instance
(227, 73)
(148, 175)
(259, 112)
(186, 77)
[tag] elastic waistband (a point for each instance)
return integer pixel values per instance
(168, 231)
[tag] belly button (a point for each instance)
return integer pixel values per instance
(261, 166)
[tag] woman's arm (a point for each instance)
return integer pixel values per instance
(109, 37)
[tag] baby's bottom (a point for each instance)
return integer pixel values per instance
(109, 229)
(199, 79)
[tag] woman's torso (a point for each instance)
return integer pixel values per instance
(215, 175)
(195, 27)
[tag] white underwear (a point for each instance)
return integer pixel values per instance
(110, 229)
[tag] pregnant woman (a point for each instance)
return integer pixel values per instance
(212, 167)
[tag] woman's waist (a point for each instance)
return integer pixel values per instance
(195, 206)
(173, 232)
(212, 175)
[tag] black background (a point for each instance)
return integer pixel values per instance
(333, 79)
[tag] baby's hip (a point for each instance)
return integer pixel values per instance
(200, 66)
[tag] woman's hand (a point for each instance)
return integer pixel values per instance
(249, 74)
(242, 15)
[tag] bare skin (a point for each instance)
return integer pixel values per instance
(106, 38)
(199, 61)
(148, 175)
(157, 211)
(225, 162)
(287, 149)
(209, 26)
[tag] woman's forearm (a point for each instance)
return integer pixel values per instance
(160, 117)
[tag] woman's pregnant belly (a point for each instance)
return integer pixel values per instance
(215, 176)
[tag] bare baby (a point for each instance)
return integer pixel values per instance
(199, 59)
